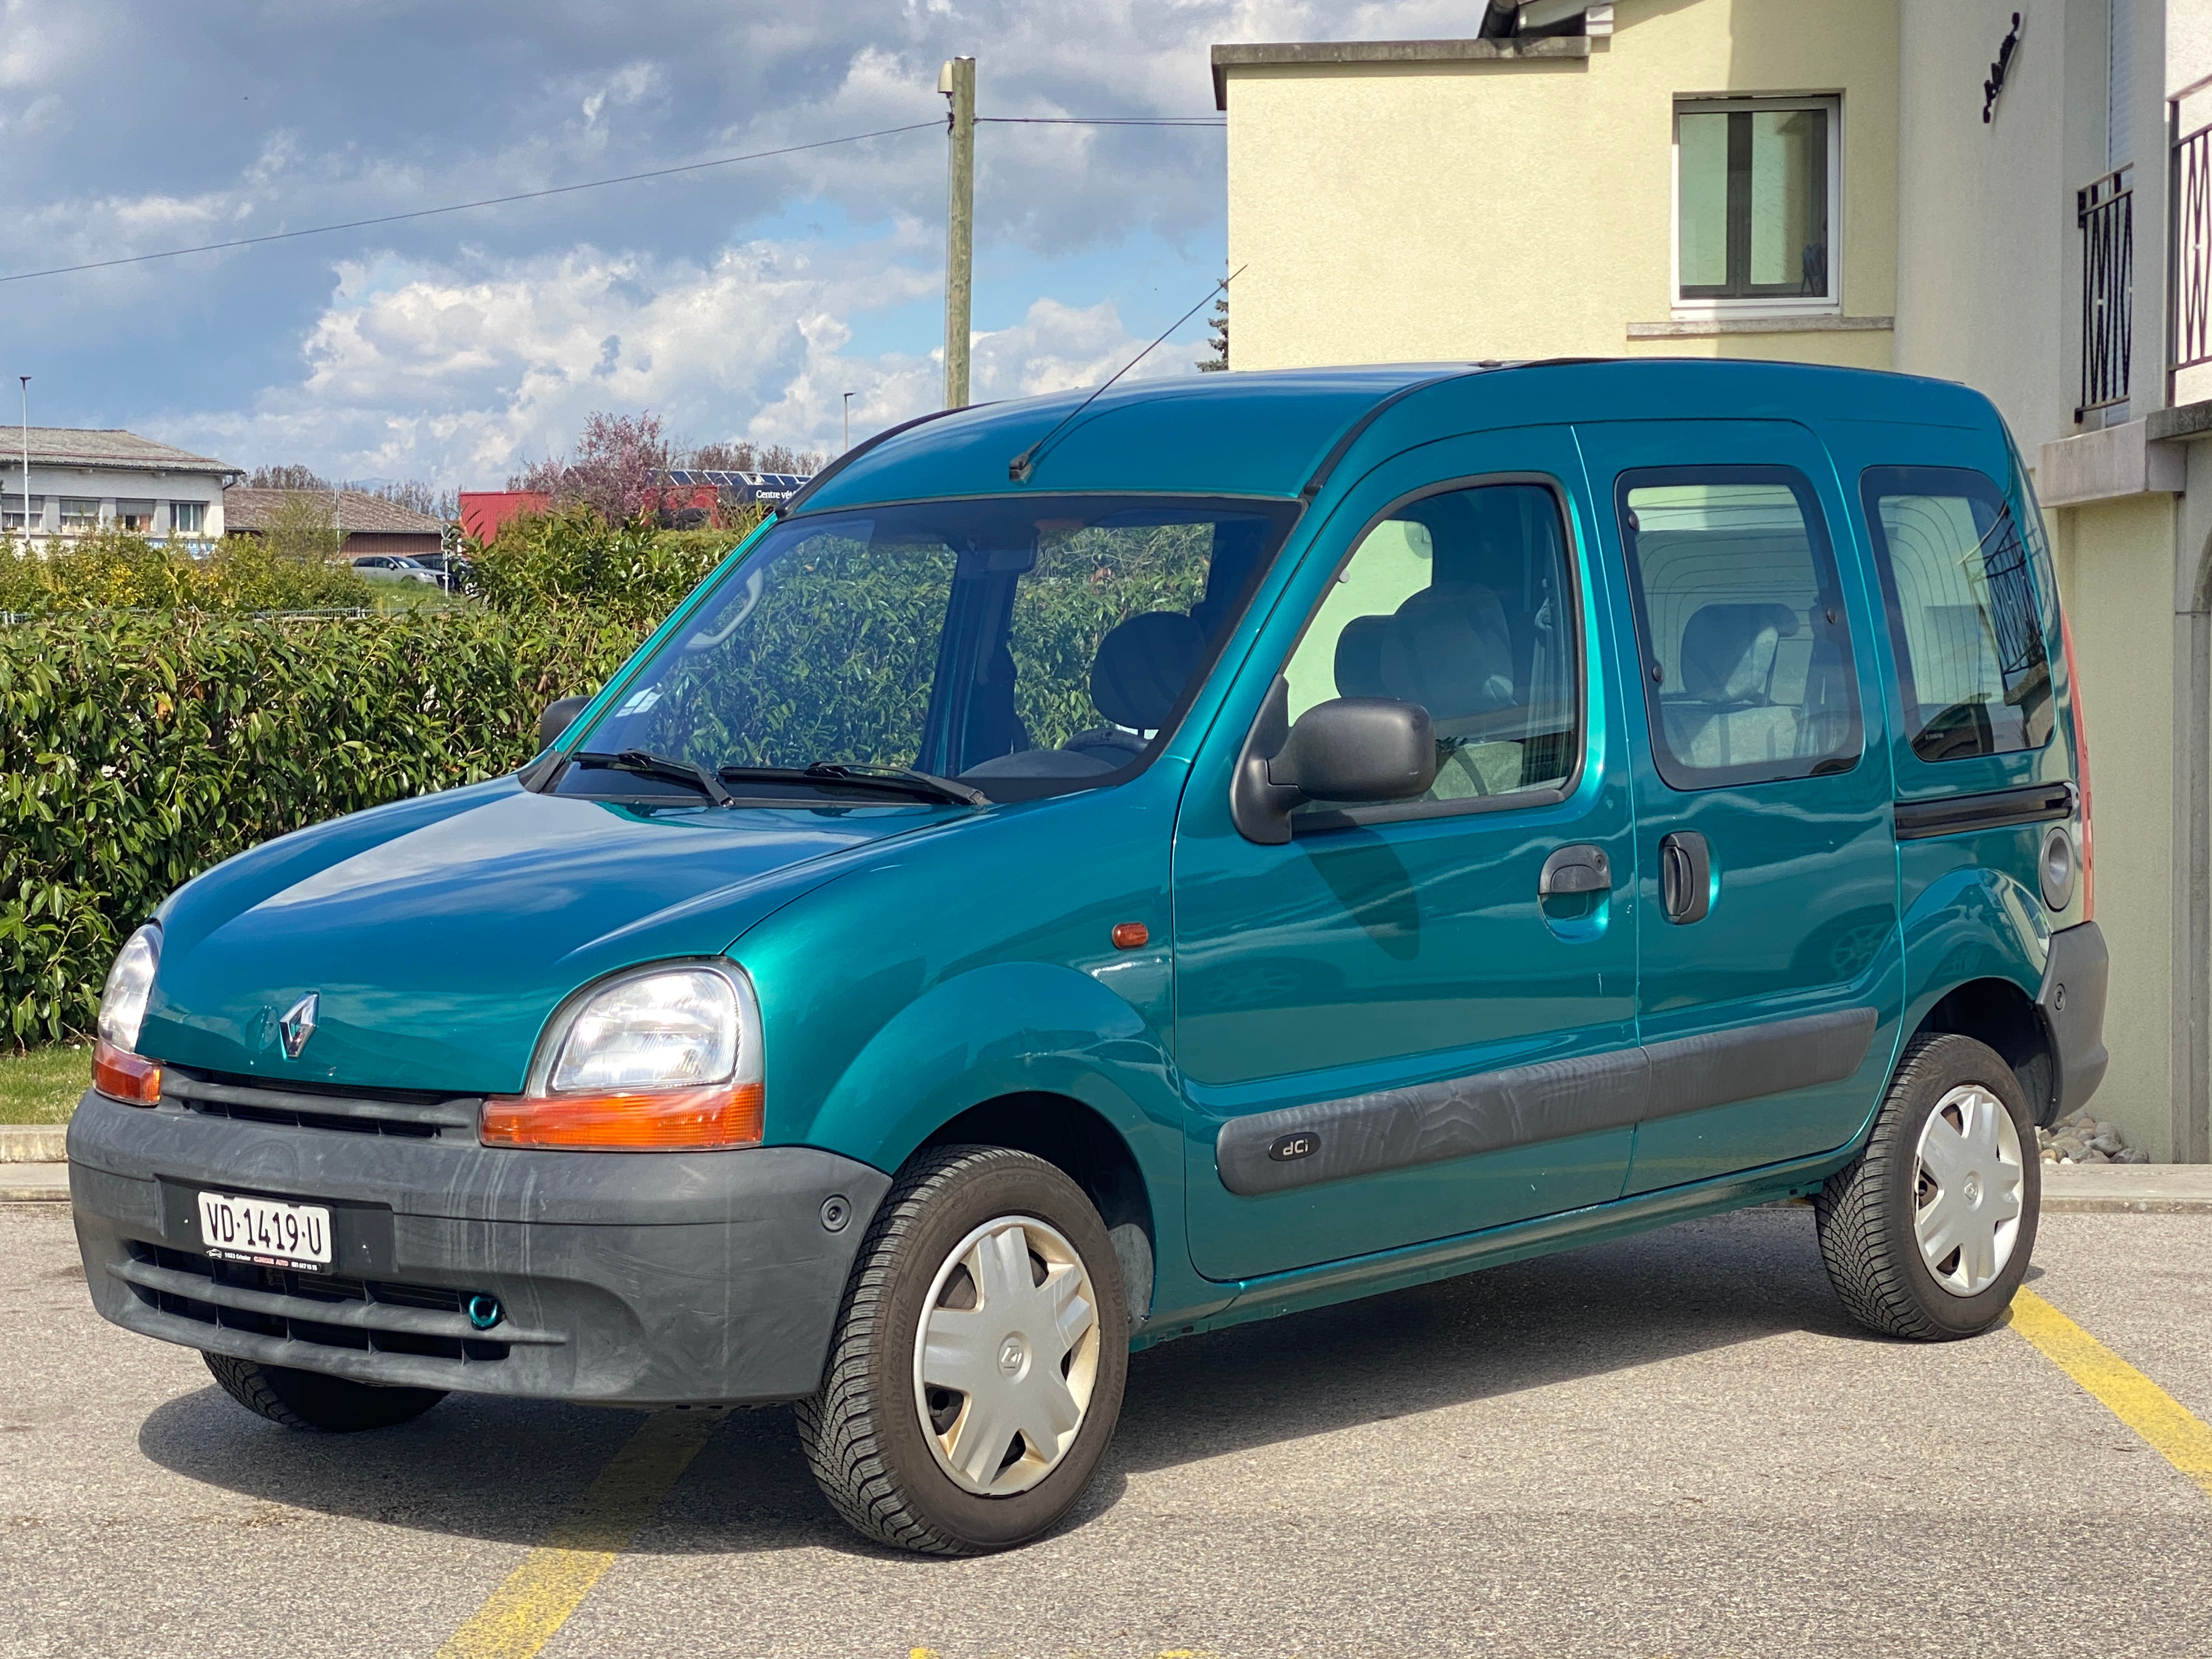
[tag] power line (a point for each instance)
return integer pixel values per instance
(464, 207)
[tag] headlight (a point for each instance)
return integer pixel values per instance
(123, 1005)
(117, 1070)
(663, 1059)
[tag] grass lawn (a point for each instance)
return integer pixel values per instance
(42, 1085)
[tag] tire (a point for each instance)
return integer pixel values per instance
(1871, 1215)
(896, 1476)
(308, 1400)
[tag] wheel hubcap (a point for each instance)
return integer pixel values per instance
(1007, 1356)
(1966, 1198)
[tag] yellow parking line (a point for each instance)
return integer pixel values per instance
(2163, 1422)
(522, 1614)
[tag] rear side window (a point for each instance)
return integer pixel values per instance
(1959, 586)
(1459, 601)
(1748, 671)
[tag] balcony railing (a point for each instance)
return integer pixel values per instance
(2105, 212)
(2190, 214)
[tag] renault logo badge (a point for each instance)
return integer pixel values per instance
(299, 1024)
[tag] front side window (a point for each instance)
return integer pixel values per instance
(1754, 206)
(188, 518)
(1461, 602)
(1960, 584)
(1021, 645)
(1747, 673)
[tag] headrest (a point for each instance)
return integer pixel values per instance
(1359, 657)
(1142, 667)
(1728, 651)
(1449, 649)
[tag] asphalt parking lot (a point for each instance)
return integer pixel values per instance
(1673, 1445)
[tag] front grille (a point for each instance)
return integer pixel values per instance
(406, 1114)
(367, 1315)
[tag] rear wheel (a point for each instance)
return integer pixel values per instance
(976, 1371)
(1927, 1233)
(308, 1400)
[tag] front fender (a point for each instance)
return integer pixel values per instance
(1009, 1028)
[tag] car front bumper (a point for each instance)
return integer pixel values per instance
(621, 1277)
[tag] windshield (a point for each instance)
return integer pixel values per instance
(1021, 646)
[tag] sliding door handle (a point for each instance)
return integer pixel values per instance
(1578, 869)
(1686, 877)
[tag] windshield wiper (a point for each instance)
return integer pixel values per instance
(642, 762)
(907, 778)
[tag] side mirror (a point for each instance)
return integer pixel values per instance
(1349, 749)
(558, 717)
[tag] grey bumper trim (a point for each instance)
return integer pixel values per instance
(1520, 1105)
(632, 1278)
(2072, 1004)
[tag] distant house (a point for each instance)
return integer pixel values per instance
(371, 523)
(83, 481)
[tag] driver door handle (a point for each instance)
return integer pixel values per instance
(1581, 868)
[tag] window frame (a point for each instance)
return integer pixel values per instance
(1673, 772)
(1908, 689)
(1571, 551)
(1713, 305)
(77, 524)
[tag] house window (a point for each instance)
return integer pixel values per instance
(1756, 188)
(14, 513)
(137, 516)
(188, 518)
(80, 512)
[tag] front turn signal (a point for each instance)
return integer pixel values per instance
(647, 1120)
(121, 1075)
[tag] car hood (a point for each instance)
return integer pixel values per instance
(439, 934)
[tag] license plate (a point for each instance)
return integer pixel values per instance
(258, 1230)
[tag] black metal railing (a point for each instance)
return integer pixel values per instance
(2105, 212)
(2190, 234)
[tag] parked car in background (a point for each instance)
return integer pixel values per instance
(1062, 885)
(397, 568)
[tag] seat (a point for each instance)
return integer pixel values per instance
(1726, 715)
(1143, 665)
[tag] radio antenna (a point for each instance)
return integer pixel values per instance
(1023, 465)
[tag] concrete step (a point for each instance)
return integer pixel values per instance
(33, 1143)
(34, 1183)
(2128, 1188)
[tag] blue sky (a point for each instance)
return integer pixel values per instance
(737, 302)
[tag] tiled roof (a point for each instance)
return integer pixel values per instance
(253, 510)
(56, 445)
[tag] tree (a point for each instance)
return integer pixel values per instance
(618, 469)
(304, 527)
(738, 456)
(1219, 324)
(286, 477)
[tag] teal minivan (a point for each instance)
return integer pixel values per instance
(1091, 871)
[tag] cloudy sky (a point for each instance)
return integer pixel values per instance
(739, 301)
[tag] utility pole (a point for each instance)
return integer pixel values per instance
(26, 379)
(848, 423)
(957, 83)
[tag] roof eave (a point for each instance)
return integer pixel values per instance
(1339, 53)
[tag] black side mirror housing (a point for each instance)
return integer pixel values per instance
(558, 717)
(1349, 749)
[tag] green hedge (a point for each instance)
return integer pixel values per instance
(137, 749)
(115, 569)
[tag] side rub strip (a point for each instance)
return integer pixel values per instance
(1397, 1128)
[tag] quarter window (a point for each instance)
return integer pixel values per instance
(1754, 196)
(1461, 602)
(1747, 649)
(1960, 588)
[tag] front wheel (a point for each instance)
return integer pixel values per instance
(976, 1370)
(309, 1400)
(1927, 1233)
